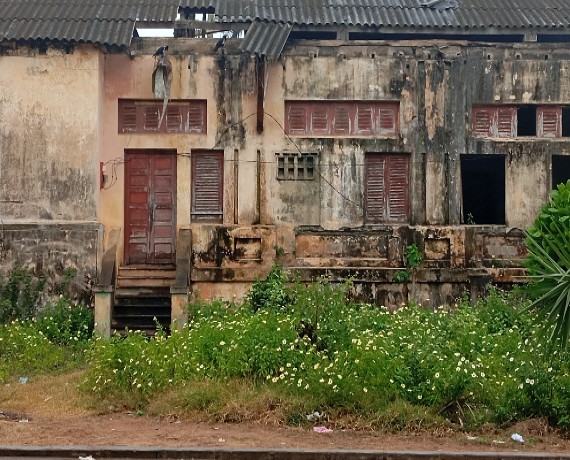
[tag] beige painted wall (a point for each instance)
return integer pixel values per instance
(49, 134)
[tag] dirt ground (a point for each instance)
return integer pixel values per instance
(36, 429)
(46, 412)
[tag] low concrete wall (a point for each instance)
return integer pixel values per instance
(53, 248)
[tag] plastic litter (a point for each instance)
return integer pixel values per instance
(321, 429)
(23, 380)
(517, 437)
(314, 416)
(89, 457)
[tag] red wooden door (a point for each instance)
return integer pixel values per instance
(150, 207)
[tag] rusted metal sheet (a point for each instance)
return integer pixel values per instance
(150, 207)
(182, 116)
(207, 186)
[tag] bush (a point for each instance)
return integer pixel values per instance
(65, 323)
(20, 294)
(548, 261)
(473, 365)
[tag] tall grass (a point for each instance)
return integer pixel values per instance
(314, 346)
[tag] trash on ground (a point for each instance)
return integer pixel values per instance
(321, 429)
(23, 380)
(517, 437)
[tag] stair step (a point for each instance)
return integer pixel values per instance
(138, 292)
(145, 282)
(143, 302)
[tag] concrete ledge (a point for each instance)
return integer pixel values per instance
(205, 453)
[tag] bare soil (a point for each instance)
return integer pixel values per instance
(47, 413)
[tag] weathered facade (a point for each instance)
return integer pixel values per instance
(327, 149)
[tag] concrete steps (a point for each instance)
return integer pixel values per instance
(142, 298)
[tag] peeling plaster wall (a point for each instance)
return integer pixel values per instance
(319, 226)
(49, 149)
(313, 227)
(48, 141)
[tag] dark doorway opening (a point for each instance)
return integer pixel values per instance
(526, 120)
(560, 169)
(483, 183)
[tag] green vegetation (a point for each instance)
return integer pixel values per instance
(39, 333)
(291, 350)
(548, 261)
(319, 352)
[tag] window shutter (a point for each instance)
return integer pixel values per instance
(207, 186)
(127, 117)
(364, 119)
(374, 200)
(297, 120)
(151, 117)
(319, 119)
(506, 121)
(174, 119)
(341, 120)
(387, 120)
(549, 121)
(196, 121)
(397, 188)
(483, 121)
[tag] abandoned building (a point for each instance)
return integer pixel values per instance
(328, 136)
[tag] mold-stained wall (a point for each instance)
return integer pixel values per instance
(49, 160)
(59, 118)
(49, 135)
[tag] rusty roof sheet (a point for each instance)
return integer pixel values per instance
(104, 22)
(266, 38)
(456, 14)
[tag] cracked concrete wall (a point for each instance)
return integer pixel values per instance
(48, 140)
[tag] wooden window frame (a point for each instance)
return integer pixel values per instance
(342, 118)
(207, 203)
(137, 116)
(390, 188)
(500, 121)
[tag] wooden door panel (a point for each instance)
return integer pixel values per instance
(150, 207)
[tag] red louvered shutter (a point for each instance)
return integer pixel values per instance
(173, 119)
(364, 119)
(151, 116)
(506, 121)
(387, 117)
(374, 187)
(127, 117)
(549, 121)
(483, 121)
(207, 186)
(397, 179)
(196, 121)
(319, 119)
(386, 195)
(296, 122)
(341, 121)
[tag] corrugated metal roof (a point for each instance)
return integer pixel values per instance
(266, 38)
(469, 14)
(105, 22)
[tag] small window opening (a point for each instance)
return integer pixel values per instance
(565, 121)
(560, 169)
(483, 184)
(291, 167)
(526, 120)
(280, 168)
(310, 172)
